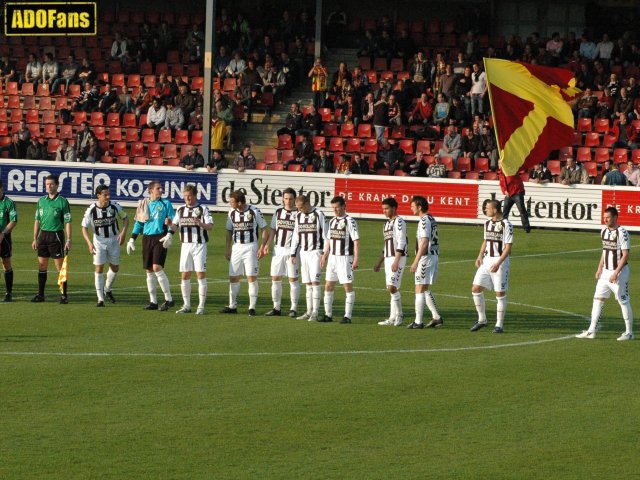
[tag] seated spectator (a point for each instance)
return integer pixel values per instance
(351, 112)
(359, 165)
(221, 62)
(471, 145)
(217, 162)
(164, 88)
(586, 107)
(416, 167)
(139, 103)
(367, 108)
(8, 71)
(245, 160)
(36, 150)
(68, 76)
(540, 174)
(311, 122)
(218, 131)
(458, 114)
(344, 164)
(81, 141)
(109, 97)
(340, 76)
(394, 111)
(388, 156)
(441, 111)
(65, 153)
(623, 105)
(86, 72)
(33, 71)
(94, 152)
(572, 173)
(342, 93)
(192, 159)
(117, 106)
(236, 66)
(156, 115)
(383, 91)
(119, 48)
(422, 112)
(632, 173)
(488, 146)
(303, 153)
(624, 133)
(614, 177)
(24, 132)
(451, 146)
(49, 71)
(194, 44)
(292, 122)
(196, 119)
(437, 169)
(184, 100)
(323, 164)
(174, 118)
(17, 148)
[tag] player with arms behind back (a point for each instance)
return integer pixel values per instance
(394, 256)
(612, 275)
(194, 222)
(282, 227)
(493, 265)
(102, 218)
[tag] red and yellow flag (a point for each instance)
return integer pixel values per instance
(531, 113)
(64, 271)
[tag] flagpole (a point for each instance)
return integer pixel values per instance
(495, 124)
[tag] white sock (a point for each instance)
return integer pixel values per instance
(111, 277)
(431, 305)
(202, 292)
(185, 287)
(501, 310)
(392, 308)
(396, 306)
(316, 295)
(627, 315)
(596, 310)
(100, 286)
(253, 295)
(328, 303)
(478, 300)
(276, 293)
(163, 280)
(294, 293)
(151, 287)
(309, 296)
(419, 303)
(234, 290)
(350, 299)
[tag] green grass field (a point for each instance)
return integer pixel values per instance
(123, 393)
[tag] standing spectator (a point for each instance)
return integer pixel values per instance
(36, 150)
(513, 190)
(192, 160)
(614, 177)
(65, 153)
(33, 71)
(420, 74)
(156, 115)
(380, 117)
(319, 83)
(52, 221)
(194, 44)
(225, 114)
(217, 161)
(68, 76)
(174, 119)
(451, 146)
(245, 160)
(587, 48)
(478, 90)
(447, 81)
(367, 108)
(554, 49)
(218, 131)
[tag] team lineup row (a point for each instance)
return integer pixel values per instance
(304, 243)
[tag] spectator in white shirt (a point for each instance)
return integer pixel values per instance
(33, 71)
(156, 115)
(236, 66)
(49, 70)
(604, 49)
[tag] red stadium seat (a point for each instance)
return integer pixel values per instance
(106, 159)
(129, 120)
(491, 176)
(347, 130)
(585, 125)
(140, 160)
(123, 160)
(318, 142)
(336, 144)
(120, 149)
(620, 155)
(115, 134)
(454, 174)
(196, 137)
(592, 139)
(113, 120)
(170, 150)
(447, 162)
(353, 144)
(276, 166)
(12, 88)
(583, 154)
(100, 132)
(27, 89)
(148, 135)
(182, 137)
(602, 155)
(271, 155)
(295, 167)
(464, 164)
(472, 176)
(66, 131)
(137, 149)
(284, 141)
(406, 146)
(591, 168)
(608, 140)
(287, 156)
(554, 167)
(370, 145)
(601, 125)
(164, 136)
(364, 130)
(50, 131)
(325, 114)
(482, 164)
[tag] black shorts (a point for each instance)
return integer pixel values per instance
(51, 244)
(153, 253)
(5, 246)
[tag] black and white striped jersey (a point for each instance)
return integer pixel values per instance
(309, 231)
(245, 225)
(613, 243)
(428, 228)
(343, 231)
(104, 221)
(395, 237)
(185, 219)
(498, 235)
(283, 223)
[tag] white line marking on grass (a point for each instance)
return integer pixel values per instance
(282, 354)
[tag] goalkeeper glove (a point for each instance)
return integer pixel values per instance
(131, 246)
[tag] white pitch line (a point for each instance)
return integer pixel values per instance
(282, 354)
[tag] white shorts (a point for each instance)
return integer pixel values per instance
(620, 289)
(282, 265)
(339, 268)
(427, 271)
(310, 269)
(107, 251)
(193, 257)
(498, 281)
(394, 278)
(244, 260)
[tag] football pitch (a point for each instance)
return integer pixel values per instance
(122, 393)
